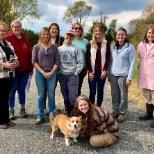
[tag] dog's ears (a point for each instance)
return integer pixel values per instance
(80, 117)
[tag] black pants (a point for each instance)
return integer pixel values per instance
(82, 74)
(5, 87)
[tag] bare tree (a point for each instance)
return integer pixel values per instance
(79, 12)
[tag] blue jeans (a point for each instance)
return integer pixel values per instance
(50, 85)
(97, 83)
(19, 84)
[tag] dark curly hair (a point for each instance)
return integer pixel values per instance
(89, 129)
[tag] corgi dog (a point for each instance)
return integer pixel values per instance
(70, 127)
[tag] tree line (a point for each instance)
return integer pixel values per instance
(78, 12)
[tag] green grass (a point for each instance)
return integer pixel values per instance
(136, 68)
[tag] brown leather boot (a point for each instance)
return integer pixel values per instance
(149, 113)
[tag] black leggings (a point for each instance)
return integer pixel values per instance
(5, 87)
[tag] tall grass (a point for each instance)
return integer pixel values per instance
(135, 94)
(136, 68)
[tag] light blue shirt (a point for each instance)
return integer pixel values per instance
(122, 61)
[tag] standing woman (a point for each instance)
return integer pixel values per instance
(121, 69)
(146, 72)
(55, 39)
(81, 42)
(55, 34)
(7, 73)
(98, 56)
(23, 51)
(46, 60)
(71, 64)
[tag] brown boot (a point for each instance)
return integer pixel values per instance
(114, 115)
(121, 118)
(23, 113)
(39, 121)
(149, 113)
(11, 124)
(12, 117)
(3, 126)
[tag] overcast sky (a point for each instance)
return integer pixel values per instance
(53, 10)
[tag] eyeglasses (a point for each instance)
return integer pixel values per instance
(77, 28)
(16, 26)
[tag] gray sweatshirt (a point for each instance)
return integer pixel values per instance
(71, 59)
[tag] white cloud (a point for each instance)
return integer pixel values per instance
(53, 12)
(125, 16)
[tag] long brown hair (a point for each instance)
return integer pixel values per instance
(93, 41)
(89, 119)
(57, 43)
(145, 39)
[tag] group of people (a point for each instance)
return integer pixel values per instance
(15, 68)
(68, 63)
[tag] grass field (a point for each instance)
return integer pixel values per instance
(135, 94)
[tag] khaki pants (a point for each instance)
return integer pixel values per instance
(102, 140)
(148, 96)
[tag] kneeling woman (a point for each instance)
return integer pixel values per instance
(100, 126)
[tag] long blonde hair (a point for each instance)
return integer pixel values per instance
(40, 41)
(93, 41)
(4, 24)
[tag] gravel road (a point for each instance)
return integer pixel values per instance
(26, 138)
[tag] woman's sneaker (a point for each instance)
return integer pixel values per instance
(23, 113)
(121, 118)
(3, 126)
(114, 115)
(12, 117)
(39, 121)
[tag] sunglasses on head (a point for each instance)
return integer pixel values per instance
(77, 28)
